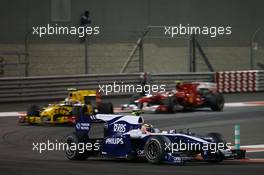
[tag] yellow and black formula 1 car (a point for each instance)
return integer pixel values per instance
(62, 113)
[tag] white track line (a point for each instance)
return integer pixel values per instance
(10, 114)
(235, 104)
(245, 104)
(253, 148)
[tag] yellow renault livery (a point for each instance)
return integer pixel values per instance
(62, 112)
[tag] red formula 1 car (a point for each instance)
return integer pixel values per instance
(184, 96)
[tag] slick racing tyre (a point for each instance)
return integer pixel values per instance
(78, 111)
(73, 153)
(216, 101)
(106, 108)
(154, 149)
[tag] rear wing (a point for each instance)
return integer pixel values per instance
(85, 96)
(207, 85)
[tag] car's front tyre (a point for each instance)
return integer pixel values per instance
(154, 149)
(217, 156)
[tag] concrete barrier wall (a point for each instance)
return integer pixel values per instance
(55, 87)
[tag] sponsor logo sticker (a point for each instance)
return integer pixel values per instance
(119, 127)
(114, 141)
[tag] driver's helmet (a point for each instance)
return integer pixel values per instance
(178, 83)
(67, 101)
(146, 128)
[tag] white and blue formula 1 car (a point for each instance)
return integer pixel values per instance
(118, 136)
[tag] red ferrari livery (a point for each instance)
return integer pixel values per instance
(184, 96)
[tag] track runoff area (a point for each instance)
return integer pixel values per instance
(241, 123)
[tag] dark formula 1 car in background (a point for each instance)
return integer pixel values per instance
(184, 97)
(118, 136)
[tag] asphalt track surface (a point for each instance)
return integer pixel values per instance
(17, 156)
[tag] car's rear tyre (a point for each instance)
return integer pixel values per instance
(33, 111)
(77, 111)
(76, 154)
(216, 101)
(106, 108)
(154, 149)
